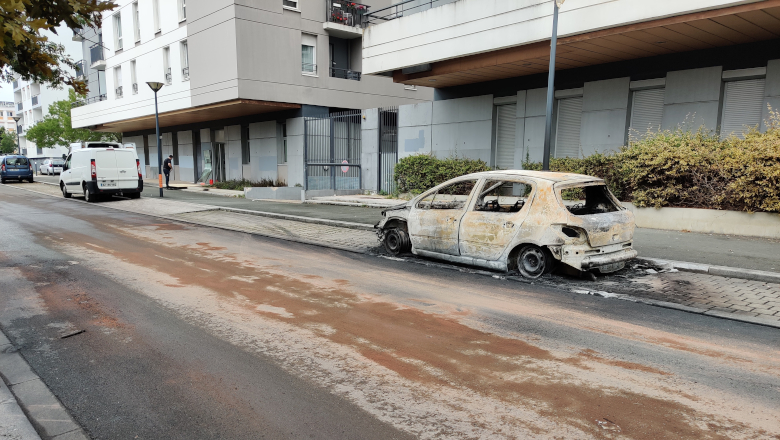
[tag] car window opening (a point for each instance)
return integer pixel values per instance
(598, 200)
(502, 196)
(452, 196)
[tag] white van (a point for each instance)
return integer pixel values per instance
(97, 169)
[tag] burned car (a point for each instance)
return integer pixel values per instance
(515, 220)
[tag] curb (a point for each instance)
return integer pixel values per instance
(44, 411)
(357, 204)
(723, 271)
(298, 218)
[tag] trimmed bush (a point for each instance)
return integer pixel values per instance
(417, 173)
(239, 185)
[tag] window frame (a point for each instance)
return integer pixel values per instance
(166, 53)
(136, 23)
(484, 186)
(133, 77)
(184, 56)
(309, 38)
(117, 21)
(181, 7)
(156, 16)
(296, 8)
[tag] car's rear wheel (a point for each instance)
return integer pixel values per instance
(396, 241)
(89, 196)
(134, 195)
(533, 261)
(65, 193)
(30, 180)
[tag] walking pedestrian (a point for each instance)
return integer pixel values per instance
(167, 167)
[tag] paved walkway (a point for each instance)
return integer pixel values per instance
(700, 293)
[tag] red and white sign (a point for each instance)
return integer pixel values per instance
(344, 169)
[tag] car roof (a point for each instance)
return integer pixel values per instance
(541, 175)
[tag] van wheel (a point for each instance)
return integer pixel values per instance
(396, 241)
(65, 193)
(533, 261)
(89, 196)
(134, 195)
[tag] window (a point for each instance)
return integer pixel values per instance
(284, 143)
(308, 54)
(502, 196)
(647, 111)
(133, 77)
(156, 12)
(167, 65)
(743, 103)
(291, 4)
(567, 139)
(185, 62)
(118, 32)
(118, 82)
(136, 23)
(452, 196)
(182, 10)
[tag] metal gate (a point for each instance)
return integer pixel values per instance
(332, 151)
(388, 149)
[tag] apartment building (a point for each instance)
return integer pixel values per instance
(622, 68)
(7, 112)
(239, 79)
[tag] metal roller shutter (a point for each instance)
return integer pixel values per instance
(742, 106)
(567, 139)
(506, 122)
(647, 110)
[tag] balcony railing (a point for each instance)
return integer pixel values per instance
(135, 88)
(346, 13)
(344, 74)
(185, 73)
(96, 53)
(309, 68)
(400, 9)
(119, 92)
(35, 100)
(92, 100)
(19, 105)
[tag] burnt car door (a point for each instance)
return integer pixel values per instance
(434, 220)
(498, 211)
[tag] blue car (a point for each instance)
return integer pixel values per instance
(15, 167)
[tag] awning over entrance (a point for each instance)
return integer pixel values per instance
(222, 110)
(702, 30)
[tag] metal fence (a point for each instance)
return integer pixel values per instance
(398, 10)
(388, 149)
(332, 148)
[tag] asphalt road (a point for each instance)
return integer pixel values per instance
(193, 332)
(714, 249)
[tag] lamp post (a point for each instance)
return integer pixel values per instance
(17, 118)
(551, 88)
(156, 86)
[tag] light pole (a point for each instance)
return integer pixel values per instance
(156, 86)
(17, 118)
(551, 88)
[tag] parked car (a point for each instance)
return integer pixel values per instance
(15, 167)
(97, 169)
(51, 166)
(515, 220)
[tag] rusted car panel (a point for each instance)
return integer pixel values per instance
(515, 219)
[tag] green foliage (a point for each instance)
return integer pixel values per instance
(693, 169)
(239, 185)
(420, 172)
(7, 141)
(56, 128)
(24, 48)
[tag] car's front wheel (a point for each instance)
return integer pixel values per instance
(533, 261)
(396, 241)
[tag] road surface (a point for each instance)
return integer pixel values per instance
(194, 332)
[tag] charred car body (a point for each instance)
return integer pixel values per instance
(515, 220)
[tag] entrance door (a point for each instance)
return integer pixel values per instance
(218, 167)
(488, 228)
(434, 221)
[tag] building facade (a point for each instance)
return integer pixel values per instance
(623, 68)
(7, 112)
(239, 77)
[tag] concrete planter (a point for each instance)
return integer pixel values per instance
(270, 193)
(709, 221)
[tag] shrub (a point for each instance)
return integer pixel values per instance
(239, 185)
(420, 172)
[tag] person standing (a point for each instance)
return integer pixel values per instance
(167, 167)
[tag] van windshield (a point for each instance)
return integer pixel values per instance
(591, 199)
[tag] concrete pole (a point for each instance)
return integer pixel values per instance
(159, 144)
(550, 92)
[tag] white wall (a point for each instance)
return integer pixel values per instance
(263, 150)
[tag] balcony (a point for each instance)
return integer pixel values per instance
(119, 92)
(344, 74)
(403, 8)
(92, 100)
(16, 84)
(185, 73)
(345, 19)
(78, 35)
(35, 101)
(97, 58)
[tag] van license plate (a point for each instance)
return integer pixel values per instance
(109, 184)
(612, 267)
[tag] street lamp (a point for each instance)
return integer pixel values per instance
(551, 88)
(17, 118)
(156, 86)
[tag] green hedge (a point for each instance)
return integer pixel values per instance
(668, 168)
(415, 174)
(239, 185)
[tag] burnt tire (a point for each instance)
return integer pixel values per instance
(533, 261)
(65, 193)
(396, 241)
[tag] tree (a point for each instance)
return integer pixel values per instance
(7, 141)
(56, 129)
(30, 54)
